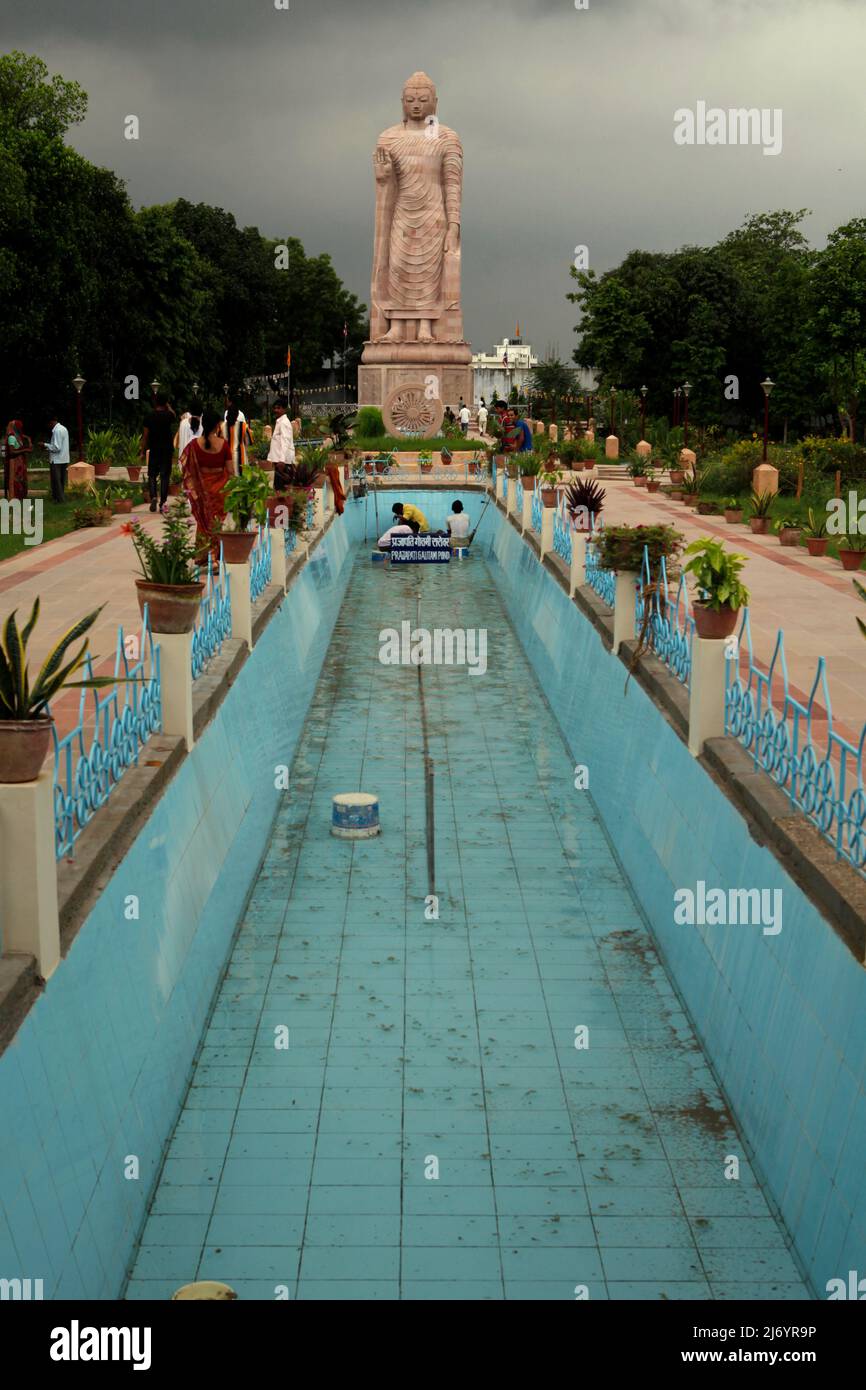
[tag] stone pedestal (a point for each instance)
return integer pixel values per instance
(765, 479)
(385, 366)
(554, 434)
(176, 678)
(80, 473)
(611, 447)
(28, 872)
(643, 449)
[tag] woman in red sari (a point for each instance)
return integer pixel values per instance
(206, 467)
(18, 446)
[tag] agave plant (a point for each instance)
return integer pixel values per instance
(18, 698)
(308, 464)
(101, 445)
(762, 503)
(584, 499)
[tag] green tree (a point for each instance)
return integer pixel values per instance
(838, 320)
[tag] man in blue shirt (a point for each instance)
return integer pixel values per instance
(58, 457)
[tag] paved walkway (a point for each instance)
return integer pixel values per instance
(432, 1130)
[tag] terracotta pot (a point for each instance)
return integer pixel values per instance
(760, 525)
(100, 469)
(712, 623)
(121, 505)
(817, 545)
(640, 480)
(426, 467)
(528, 481)
(368, 468)
(548, 496)
(678, 475)
(279, 499)
(789, 536)
(733, 515)
(134, 471)
(174, 489)
(474, 469)
(588, 464)
(173, 608)
(851, 559)
(237, 546)
(23, 748)
(690, 499)
(706, 509)
(653, 484)
(676, 494)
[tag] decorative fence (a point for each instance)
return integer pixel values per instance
(601, 581)
(562, 544)
(518, 493)
(214, 623)
(796, 744)
(260, 564)
(311, 514)
(89, 762)
(290, 539)
(670, 627)
(537, 511)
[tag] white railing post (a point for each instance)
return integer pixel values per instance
(578, 562)
(547, 515)
(319, 508)
(278, 556)
(623, 608)
(511, 500)
(175, 672)
(706, 692)
(242, 603)
(526, 518)
(28, 872)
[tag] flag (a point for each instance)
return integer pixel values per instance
(517, 334)
(288, 357)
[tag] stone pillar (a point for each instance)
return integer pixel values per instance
(80, 473)
(242, 604)
(547, 515)
(623, 608)
(278, 556)
(319, 508)
(706, 692)
(578, 562)
(765, 479)
(526, 519)
(554, 434)
(643, 449)
(175, 670)
(611, 447)
(511, 502)
(28, 872)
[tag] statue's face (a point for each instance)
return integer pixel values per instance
(418, 103)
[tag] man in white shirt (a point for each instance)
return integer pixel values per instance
(464, 418)
(58, 457)
(482, 419)
(403, 528)
(457, 523)
(281, 451)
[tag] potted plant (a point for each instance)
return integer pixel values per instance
(175, 481)
(246, 503)
(652, 482)
(311, 464)
(852, 549)
(621, 548)
(287, 511)
(815, 532)
(119, 497)
(529, 466)
(91, 514)
(637, 471)
(548, 479)
(708, 509)
(25, 721)
(126, 456)
(101, 445)
(789, 531)
(584, 502)
(368, 465)
(425, 461)
(170, 585)
(722, 594)
(733, 511)
(762, 504)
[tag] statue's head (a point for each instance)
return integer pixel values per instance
(419, 97)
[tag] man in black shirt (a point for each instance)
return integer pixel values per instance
(158, 439)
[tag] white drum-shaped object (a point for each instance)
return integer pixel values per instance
(355, 816)
(460, 552)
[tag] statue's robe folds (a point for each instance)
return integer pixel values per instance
(414, 279)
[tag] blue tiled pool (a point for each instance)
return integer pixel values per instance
(504, 1101)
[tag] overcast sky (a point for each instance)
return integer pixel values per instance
(566, 119)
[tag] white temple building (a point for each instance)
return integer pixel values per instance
(510, 364)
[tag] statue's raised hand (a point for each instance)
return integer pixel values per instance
(382, 166)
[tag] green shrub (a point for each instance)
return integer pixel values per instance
(369, 424)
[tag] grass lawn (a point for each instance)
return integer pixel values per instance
(388, 445)
(56, 520)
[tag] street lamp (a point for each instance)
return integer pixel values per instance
(612, 408)
(154, 387)
(687, 386)
(766, 387)
(78, 383)
(643, 396)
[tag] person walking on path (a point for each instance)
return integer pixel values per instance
(237, 432)
(157, 446)
(58, 457)
(464, 418)
(281, 451)
(189, 428)
(17, 447)
(206, 468)
(482, 418)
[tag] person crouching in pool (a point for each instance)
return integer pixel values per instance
(458, 524)
(403, 528)
(404, 511)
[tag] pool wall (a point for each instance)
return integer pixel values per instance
(94, 1079)
(782, 1017)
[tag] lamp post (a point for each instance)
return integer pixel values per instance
(766, 387)
(643, 396)
(612, 409)
(226, 394)
(154, 387)
(687, 386)
(78, 383)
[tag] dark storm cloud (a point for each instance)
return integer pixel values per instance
(566, 119)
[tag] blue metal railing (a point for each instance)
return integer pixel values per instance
(214, 623)
(260, 564)
(290, 539)
(89, 764)
(671, 626)
(562, 544)
(537, 510)
(601, 581)
(795, 743)
(519, 496)
(311, 513)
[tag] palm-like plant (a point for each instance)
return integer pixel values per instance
(21, 700)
